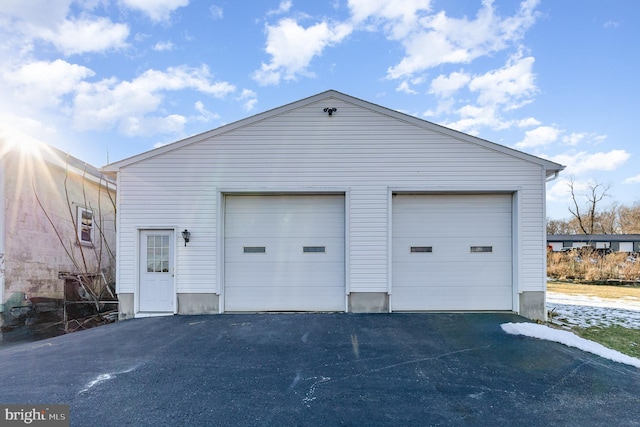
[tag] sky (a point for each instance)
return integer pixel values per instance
(104, 80)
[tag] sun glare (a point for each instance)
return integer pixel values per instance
(29, 147)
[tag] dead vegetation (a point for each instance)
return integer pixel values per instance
(590, 265)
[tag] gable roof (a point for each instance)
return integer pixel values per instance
(58, 158)
(550, 167)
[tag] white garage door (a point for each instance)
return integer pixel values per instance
(284, 253)
(452, 252)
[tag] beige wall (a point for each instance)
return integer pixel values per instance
(34, 254)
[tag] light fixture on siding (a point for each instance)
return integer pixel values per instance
(185, 236)
(330, 111)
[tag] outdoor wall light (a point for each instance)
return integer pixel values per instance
(185, 236)
(330, 111)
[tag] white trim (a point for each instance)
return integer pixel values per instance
(79, 225)
(220, 253)
(118, 240)
(347, 248)
(516, 253)
(544, 239)
(390, 247)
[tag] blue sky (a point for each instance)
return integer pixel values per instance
(107, 79)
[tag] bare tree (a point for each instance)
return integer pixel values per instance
(587, 217)
(87, 260)
(558, 226)
(629, 219)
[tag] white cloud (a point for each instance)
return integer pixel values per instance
(504, 89)
(204, 114)
(249, 98)
(293, 47)
(397, 17)
(135, 126)
(156, 10)
(405, 88)
(633, 180)
(16, 129)
(445, 85)
(42, 83)
(86, 35)
(442, 39)
(511, 85)
(130, 106)
(163, 46)
(528, 122)
(216, 12)
(560, 190)
(574, 138)
(540, 136)
(474, 117)
(581, 162)
(37, 12)
(577, 138)
(283, 7)
(611, 24)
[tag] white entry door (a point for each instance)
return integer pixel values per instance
(156, 271)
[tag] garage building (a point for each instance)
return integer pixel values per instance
(327, 204)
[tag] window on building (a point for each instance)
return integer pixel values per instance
(84, 221)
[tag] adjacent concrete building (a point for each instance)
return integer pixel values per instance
(331, 203)
(57, 218)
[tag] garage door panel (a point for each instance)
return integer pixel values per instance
(452, 276)
(461, 225)
(286, 274)
(284, 253)
(285, 299)
(443, 298)
(287, 248)
(284, 225)
(455, 250)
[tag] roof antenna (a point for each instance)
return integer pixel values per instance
(330, 111)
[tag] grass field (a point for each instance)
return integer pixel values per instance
(619, 337)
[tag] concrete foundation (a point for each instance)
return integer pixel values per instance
(125, 307)
(198, 303)
(369, 302)
(532, 305)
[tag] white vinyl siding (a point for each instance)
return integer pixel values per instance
(363, 152)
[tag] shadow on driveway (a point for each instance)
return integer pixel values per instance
(319, 369)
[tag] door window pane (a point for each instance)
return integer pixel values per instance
(157, 254)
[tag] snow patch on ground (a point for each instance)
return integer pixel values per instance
(585, 311)
(569, 339)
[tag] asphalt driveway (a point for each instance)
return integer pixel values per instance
(319, 369)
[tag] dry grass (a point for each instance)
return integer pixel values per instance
(589, 266)
(600, 291)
